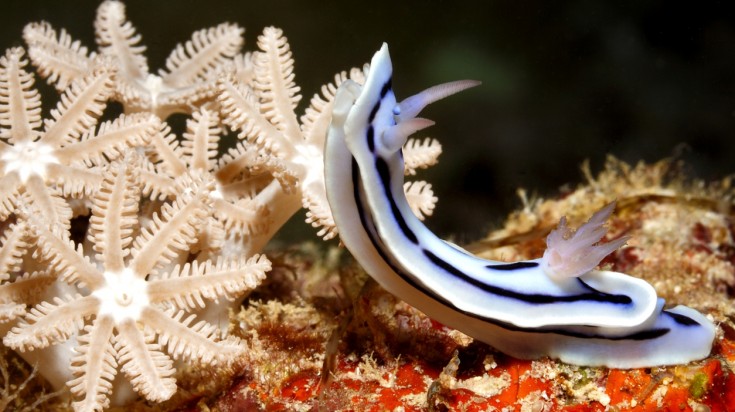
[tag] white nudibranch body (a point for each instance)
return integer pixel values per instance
(556, 306)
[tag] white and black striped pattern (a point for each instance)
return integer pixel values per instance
(600, 318)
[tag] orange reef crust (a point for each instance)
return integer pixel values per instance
(404, 366)
(323, 336)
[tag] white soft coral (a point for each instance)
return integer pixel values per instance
(41, 157)
(133, 312)
(189, 77)
(571, 253)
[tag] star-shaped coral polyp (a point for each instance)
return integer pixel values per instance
(241, 175)
(189, 77)
(43, 159)
(136, 294)
(16, 287)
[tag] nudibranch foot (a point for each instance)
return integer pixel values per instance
(670, 337)
(576, 314)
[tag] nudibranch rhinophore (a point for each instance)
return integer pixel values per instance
(556, 306)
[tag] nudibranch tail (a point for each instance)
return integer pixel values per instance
(592, 318)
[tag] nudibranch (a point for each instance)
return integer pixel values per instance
(556, 306)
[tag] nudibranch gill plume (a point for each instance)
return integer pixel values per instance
(557, 306)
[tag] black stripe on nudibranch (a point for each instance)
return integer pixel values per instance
(412, 281)
(642, 335)
(595, 296)
(363, 216)
(374, 111)
(681, 319)
(386, 88)
(384, 173)
(535, 298)
(371, 138)
(513, 266)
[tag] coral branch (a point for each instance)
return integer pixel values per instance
(114, 213)
(187, 286)
(60, 59)
(191, 343)
(205, 52)
(20, 103)
(94, 366)
(148, 369)
(51, 323)
(421, 198)
(174, 229)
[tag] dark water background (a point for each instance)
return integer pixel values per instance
(562, 81)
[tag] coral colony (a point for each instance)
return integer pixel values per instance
(176, 225)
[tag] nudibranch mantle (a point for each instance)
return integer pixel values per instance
(597, 318)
